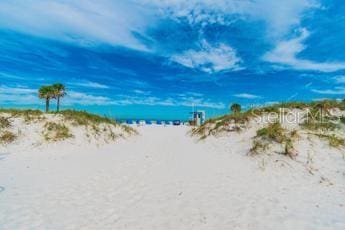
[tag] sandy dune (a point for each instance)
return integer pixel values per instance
(163, 179)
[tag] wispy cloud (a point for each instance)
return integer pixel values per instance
(89, 84)
(86, 23)
(125, 23)
(335, 91)
(285, 54)
(185, 101)
(141, 92)
(79, 98)
(340, 79)
(247, 96)
(209, 58)
(16, 90)
(279, 15)
(28, 96)
(18, 95)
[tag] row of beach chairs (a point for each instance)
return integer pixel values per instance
(154, 122)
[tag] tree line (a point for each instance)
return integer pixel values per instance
(54, 91)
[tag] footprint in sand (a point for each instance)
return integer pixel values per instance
(3, 155)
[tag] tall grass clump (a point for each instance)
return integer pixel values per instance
(274, 133)
(234, 122)
(342, 119)
(28, 115)
(85, 118)
(319, 119)
(4, 123)
(333, 140)
(7, 137)
(56, 132)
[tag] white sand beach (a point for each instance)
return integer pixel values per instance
(164, 179)
(172, 115)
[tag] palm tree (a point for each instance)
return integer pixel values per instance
(59, 91)
(235, 108)
(47, 93)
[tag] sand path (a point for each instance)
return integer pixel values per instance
(160, 180)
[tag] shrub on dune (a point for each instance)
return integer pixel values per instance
(56, 132)
(274, 133)
(85, 118)
(7, 137)
(28, 115)
(4, 123)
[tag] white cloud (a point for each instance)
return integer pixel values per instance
(209, 58)
(89, 84)
(335, 91)
(247, 96)
(339, 79)
(179, 101)
(28, 96)
(18, 95)
(79, 98)
(115, 22)
(16, 90)
(280, 16)
(86, 22)
(285, 54)
(141, 92)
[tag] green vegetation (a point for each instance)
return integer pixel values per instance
(4, 123)
(333, 140)
(318, 119)
(342, 119)
(85, 118)
(48, 92)
(257, 147)
(318, 111)
(75, 117)
(274, 133)
(59, 92)
(231, 122)
(129, 129)
(56, 132)
(315, 125)
(235, 108)
(7, 137)
(28, 115)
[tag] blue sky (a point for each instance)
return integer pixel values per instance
(156, 59)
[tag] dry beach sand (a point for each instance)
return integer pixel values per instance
(164, 179)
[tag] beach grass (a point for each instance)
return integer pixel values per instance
(85, 118)
(58, 126)
(56, 132)
(4, 122)
(274, 132)
(7, 137)
(28, 115)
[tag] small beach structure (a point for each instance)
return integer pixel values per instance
(198, 117)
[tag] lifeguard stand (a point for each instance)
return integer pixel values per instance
(198, 117)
